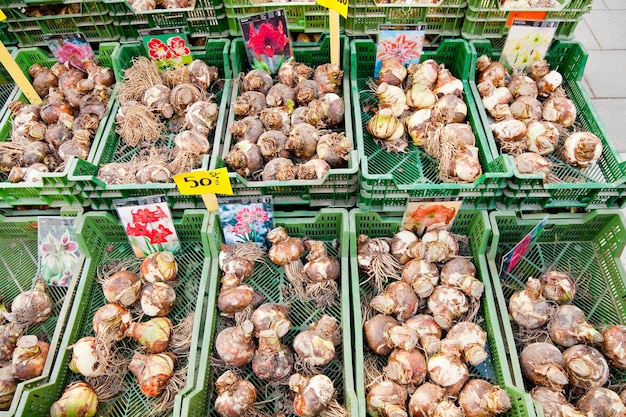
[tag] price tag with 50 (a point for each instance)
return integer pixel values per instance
(204, 182)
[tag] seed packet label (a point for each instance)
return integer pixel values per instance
(58, 252)
(423, 215)
(148, 224)
(204, 182)
(340, 6)
(167, 47)
(72, 48)
(266, 39)
(406, 42)
(515, 255)
(527, 42)
(246, 219)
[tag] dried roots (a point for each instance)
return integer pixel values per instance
(371, 370)
(141, 75)
(114, 266)
(111, 383)
(383, 267)
(184, 161)
(165, 401)
(139, 125)
(174, 76)
(295, 274)
(181, 336)
(334, 409)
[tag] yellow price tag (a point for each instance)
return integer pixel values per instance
(340, 6)
(2, 16)
(204, 182)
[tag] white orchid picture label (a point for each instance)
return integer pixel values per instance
(527, 42)
(59, 254)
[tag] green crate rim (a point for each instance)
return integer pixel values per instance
(522, 399)
(481, 138)
(295, 219)
(50, 181)
(86, 284)
(26, 222)
(528, 221)
(314, 185)
(606, 143)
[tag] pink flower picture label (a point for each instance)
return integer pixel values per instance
(248, 221)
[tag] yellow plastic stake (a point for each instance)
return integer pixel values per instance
(18, 76)
(334, 37)
(210, 201)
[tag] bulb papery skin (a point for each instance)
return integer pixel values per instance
(446, 368)
(152, 372)
(111, 319)
(387, 399)
(159, 267)
(543, 364)
(587, 368)
(78, 399)
(481, 399)
(527, 307)
(29, 357)
(472, 340)
(235, 395)
(85, 360)
(428, 332)
(312, 394)
(614, 345)
(582, 149)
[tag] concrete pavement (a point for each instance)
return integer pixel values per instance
(603, 33)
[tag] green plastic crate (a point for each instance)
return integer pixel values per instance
(474, 225)
(329, 225)
(6, 36)
(93, 21)
(586, 188)
(588, 246)
(339, 188)
(207, 19)
(485, 20)
(96, 232)
(301, 16)
(55, 189)
(101, 195)
(18, 266)
(8, 89)
(443, 19)
(388, 180)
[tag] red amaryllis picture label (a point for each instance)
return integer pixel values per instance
(149, 226)
(167, 50)
(423, 216)
(266, 40)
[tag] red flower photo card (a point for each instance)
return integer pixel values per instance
(148, 224)
(167, 47)
(267, 40)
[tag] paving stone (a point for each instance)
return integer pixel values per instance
(612, 4)
(604, 73)
(608, 27)
(612, 114)
(599, 4)
(584, 35)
